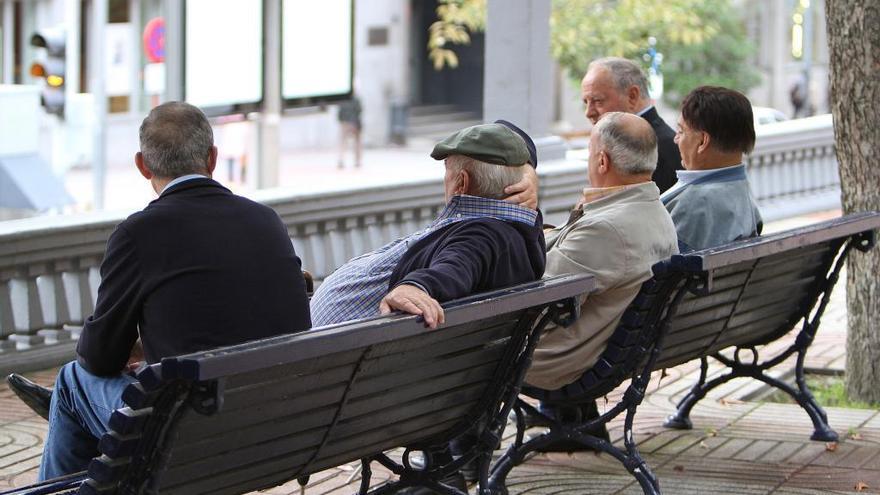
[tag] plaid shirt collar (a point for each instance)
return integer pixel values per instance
(465, 206)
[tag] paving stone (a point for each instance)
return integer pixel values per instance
(831, 479)
(782, 451)
(756, 450)
(808, 453)
(705, 445)
(680, 444)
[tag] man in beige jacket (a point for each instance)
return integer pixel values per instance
(617, 231)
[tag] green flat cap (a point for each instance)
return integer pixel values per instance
(490, 143)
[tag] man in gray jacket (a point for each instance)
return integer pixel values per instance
(711, 203)
(618, 230)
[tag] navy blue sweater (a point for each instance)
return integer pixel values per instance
(473, 256)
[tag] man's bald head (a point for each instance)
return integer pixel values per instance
(629, 141)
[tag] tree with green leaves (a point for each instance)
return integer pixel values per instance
(703, 41)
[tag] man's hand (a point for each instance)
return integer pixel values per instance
(524, 192)
(410, 299)
(136, 358)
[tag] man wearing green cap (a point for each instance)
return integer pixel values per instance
(478, 242)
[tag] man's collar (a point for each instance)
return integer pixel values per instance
(466, 206)
(645, 110)
(734, 172)
(591, 194)
(182, 178)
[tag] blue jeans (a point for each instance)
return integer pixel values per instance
(80, 413)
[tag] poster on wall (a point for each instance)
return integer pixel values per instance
(119, 53)
(223, 55)
(316, 50)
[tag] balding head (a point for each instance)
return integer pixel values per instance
(176, 140)
(628, 141)
(613, 84)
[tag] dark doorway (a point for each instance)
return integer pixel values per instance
(462, 86)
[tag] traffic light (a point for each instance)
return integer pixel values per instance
(51, 68)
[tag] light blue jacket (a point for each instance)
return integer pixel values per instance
(713, 210)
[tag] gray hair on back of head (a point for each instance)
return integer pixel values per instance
(487, 180)
(632, 151)
(176, 140)
(624, 73)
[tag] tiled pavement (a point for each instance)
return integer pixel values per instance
(739, 445)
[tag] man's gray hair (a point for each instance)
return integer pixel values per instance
(487, 180)
(632, 151)
(624, 73)
(176, 139)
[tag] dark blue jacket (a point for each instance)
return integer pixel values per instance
(473, 256)
(198, 268)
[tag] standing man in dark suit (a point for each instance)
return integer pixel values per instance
(614, 84)
(198, 268)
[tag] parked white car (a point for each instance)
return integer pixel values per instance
(767, 115)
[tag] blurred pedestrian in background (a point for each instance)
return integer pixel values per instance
(350, 129)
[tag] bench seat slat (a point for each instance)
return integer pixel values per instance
(410, 430)
(703, 322)
(269, 473)
(437, 342)
(272, 408)
(267, 426)
(321, 387)
(216, 472)
(282, 373)
(322, 381)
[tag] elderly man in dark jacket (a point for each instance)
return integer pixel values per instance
(197, 269)
(478, 242)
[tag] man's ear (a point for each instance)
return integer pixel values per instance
(604, 163)
(465, 179)
(705, 141)
(141, 166)
(633, 97)
(212, 160)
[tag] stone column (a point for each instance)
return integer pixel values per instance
(172, 12)
(519, 71)
(780, 41)
(269, 124)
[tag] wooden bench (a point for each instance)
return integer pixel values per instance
(739, 296)
(256, 415)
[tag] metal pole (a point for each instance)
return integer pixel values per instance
(72, 36)
(172, 12)
(96, 83)
(134, 10)
(8, 43)
(270, 119)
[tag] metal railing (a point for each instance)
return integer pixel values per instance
(49, 266)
